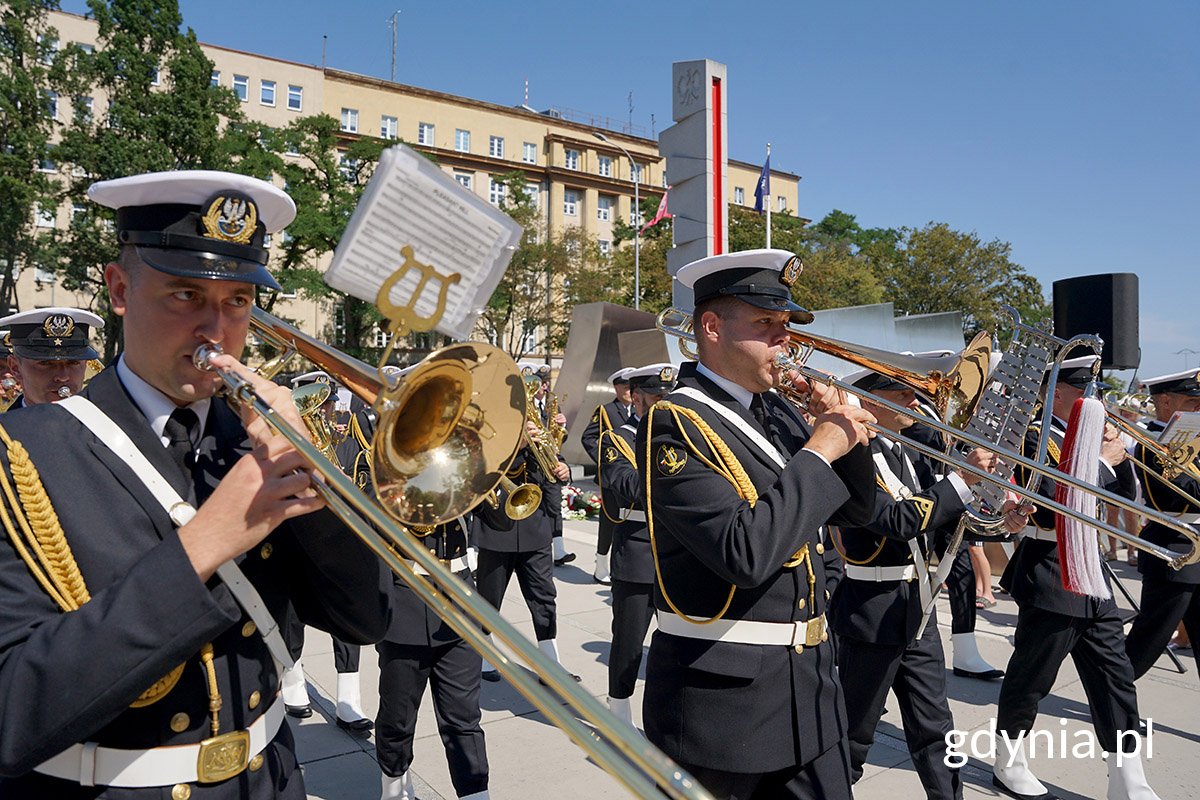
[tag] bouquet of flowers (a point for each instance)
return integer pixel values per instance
(577, 504)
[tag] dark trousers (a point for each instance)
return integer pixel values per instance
(1164, 605)
(604, 541)
(633, 608)
(345, 656)
(916, 672)
(452, 671)
(826, 777)
(535, 577)
(960, 591)
(1097, 646)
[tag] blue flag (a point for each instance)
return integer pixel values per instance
(762, 192)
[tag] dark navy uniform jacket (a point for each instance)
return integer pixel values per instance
(889, 612)
(623, 488)
(1033, 576)
(1163, 499)
(68, 677)
(723, 705)
(616, 414)
(525, 535)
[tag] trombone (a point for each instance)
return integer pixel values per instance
(951, 386)
(429, 418)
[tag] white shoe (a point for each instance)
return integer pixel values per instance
(473, 559)
(295, 692)
(489, 672)
(1127, 778)
(397, 788)
(621, 709)
(549, 648)
(349, 704)
(1011, 773)
(601, 573)
(968, 662)
(476, 796)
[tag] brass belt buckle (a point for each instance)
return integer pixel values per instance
(223, 756)
(814, 634)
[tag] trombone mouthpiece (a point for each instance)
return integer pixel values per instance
(203, 355)
(8, 383)
(64, 392)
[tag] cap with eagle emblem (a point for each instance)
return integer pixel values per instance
(762, 278)
(654, 378)
(1185, 383)
(199, 223)
(52, 334)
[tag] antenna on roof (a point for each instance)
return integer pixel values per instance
(324, 42)
(527, 92)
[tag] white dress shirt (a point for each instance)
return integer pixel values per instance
(155, 405)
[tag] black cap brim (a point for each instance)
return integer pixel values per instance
(85, 353)
(653, 387)
(207, 266)
(799, 314)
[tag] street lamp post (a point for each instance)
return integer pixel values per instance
(636, 218)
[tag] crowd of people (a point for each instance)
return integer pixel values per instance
(165, 550)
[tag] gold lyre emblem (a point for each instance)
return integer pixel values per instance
(670, 460)
(231, 218)
(404, 318)
(610, 454)
(57, 326)
(791, 271)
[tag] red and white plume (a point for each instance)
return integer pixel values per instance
(1078, 543)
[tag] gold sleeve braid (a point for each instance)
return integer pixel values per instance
(44, 549)
(624, 449)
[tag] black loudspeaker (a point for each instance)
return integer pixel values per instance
(1105, 305)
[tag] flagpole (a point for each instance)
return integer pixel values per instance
(767, 202)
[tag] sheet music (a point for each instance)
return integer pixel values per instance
(410, 201)
(1183, 429)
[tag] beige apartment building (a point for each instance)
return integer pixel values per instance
(577, 177)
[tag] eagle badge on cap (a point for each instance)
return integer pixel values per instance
(670, 460)
(791, 271)
(667, 374)
(57, 326)
(231, 218)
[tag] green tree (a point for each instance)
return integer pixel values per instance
(935, 268)
(326, 184)
(32, 77)
(161, 113)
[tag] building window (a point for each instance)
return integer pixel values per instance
(496, 192)
(348, 167)
(605, 247)
(496, 146)
(216, 78)
(739, 195)
(83, 108)
(266, 93)
(782, 203)
(85, 47)
(464, 179)
(78, 212)
(241, 87)
(389, 127)
(43, 217)
(534, 192)
(47, 165)
(571, 203)
(43, 275)
(529, 153)
(604, 208)
(637, 172)
(635, 214)
(604, 166)
(571, 159)
(266, 240)
(425, 133)
(350, 120)
(50, 45)
(295, 98)
(462, 140)
(154, 75)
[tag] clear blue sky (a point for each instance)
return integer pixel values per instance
(1069, 129)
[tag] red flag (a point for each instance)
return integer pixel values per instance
(659, 215)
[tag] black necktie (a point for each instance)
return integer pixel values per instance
(759, 409)
(180, 430)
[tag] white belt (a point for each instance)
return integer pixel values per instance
(455, 565)
(629, 515)
(809, 633)
(209, 761)
(879, 574)
(1034, 532)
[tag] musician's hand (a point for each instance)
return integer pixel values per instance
(823, 398)
(562, 472)
(1112, 451)
(982, 459)
(278, 397)
(264, 488)
(837, 431)
(560, 419)
(1016, 514)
